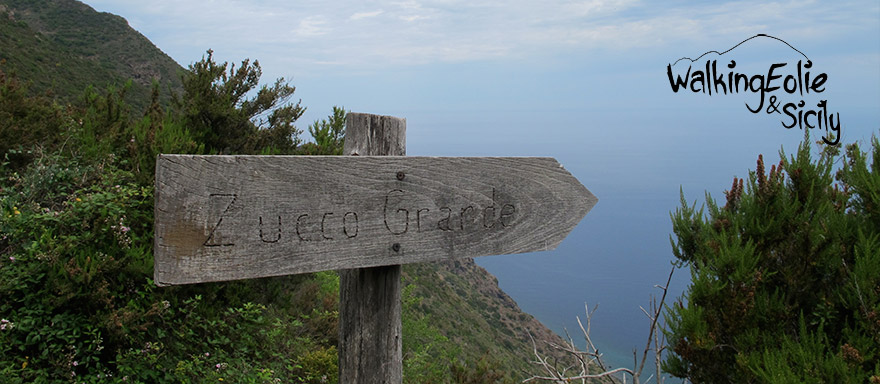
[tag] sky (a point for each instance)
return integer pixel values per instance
(582, 81)
(463, 54)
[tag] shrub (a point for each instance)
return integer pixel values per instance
(75, 247)
(785, 275)
(76, 215)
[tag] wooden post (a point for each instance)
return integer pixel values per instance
(370, 348)
(220, 218)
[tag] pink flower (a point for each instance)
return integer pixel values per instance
(12, 258)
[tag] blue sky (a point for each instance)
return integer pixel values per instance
(582, 81)
(501, 55)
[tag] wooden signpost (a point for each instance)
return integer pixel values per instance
(238, 217)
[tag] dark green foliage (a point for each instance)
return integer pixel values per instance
(216, 108)
(155, 133)
(103, 123)
(328, 135)
(74, 243)
(26, 119)
(76, 257)
(785, 276)
(75, 261)
(483, 371)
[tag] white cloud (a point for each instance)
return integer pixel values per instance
(382, 33)
(365, 15)
(312, 26)
(411, 18)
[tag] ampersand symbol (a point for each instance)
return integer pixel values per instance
(773, 106)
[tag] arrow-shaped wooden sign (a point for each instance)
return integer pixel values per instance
(236, 217)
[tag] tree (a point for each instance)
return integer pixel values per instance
(328, 134)
(785, 276)
(217, 109)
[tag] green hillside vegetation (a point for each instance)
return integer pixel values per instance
(63, 47)
(457, 309)
(76, 214)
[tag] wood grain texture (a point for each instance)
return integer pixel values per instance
(238, 217)
(374, 135)
(370, 329)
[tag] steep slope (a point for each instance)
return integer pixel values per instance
(467, 306)
(65, 46)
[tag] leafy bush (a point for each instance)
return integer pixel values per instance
(785, 276)
(73, 261)
(76, 214)
(78, 303)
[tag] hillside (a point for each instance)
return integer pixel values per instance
(64, 46)
(76, 238)
(469, 308)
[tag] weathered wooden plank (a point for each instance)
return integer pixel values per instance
(370, 329)
(237, 217)
(374, 135)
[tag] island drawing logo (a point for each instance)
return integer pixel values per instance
(770, 87)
